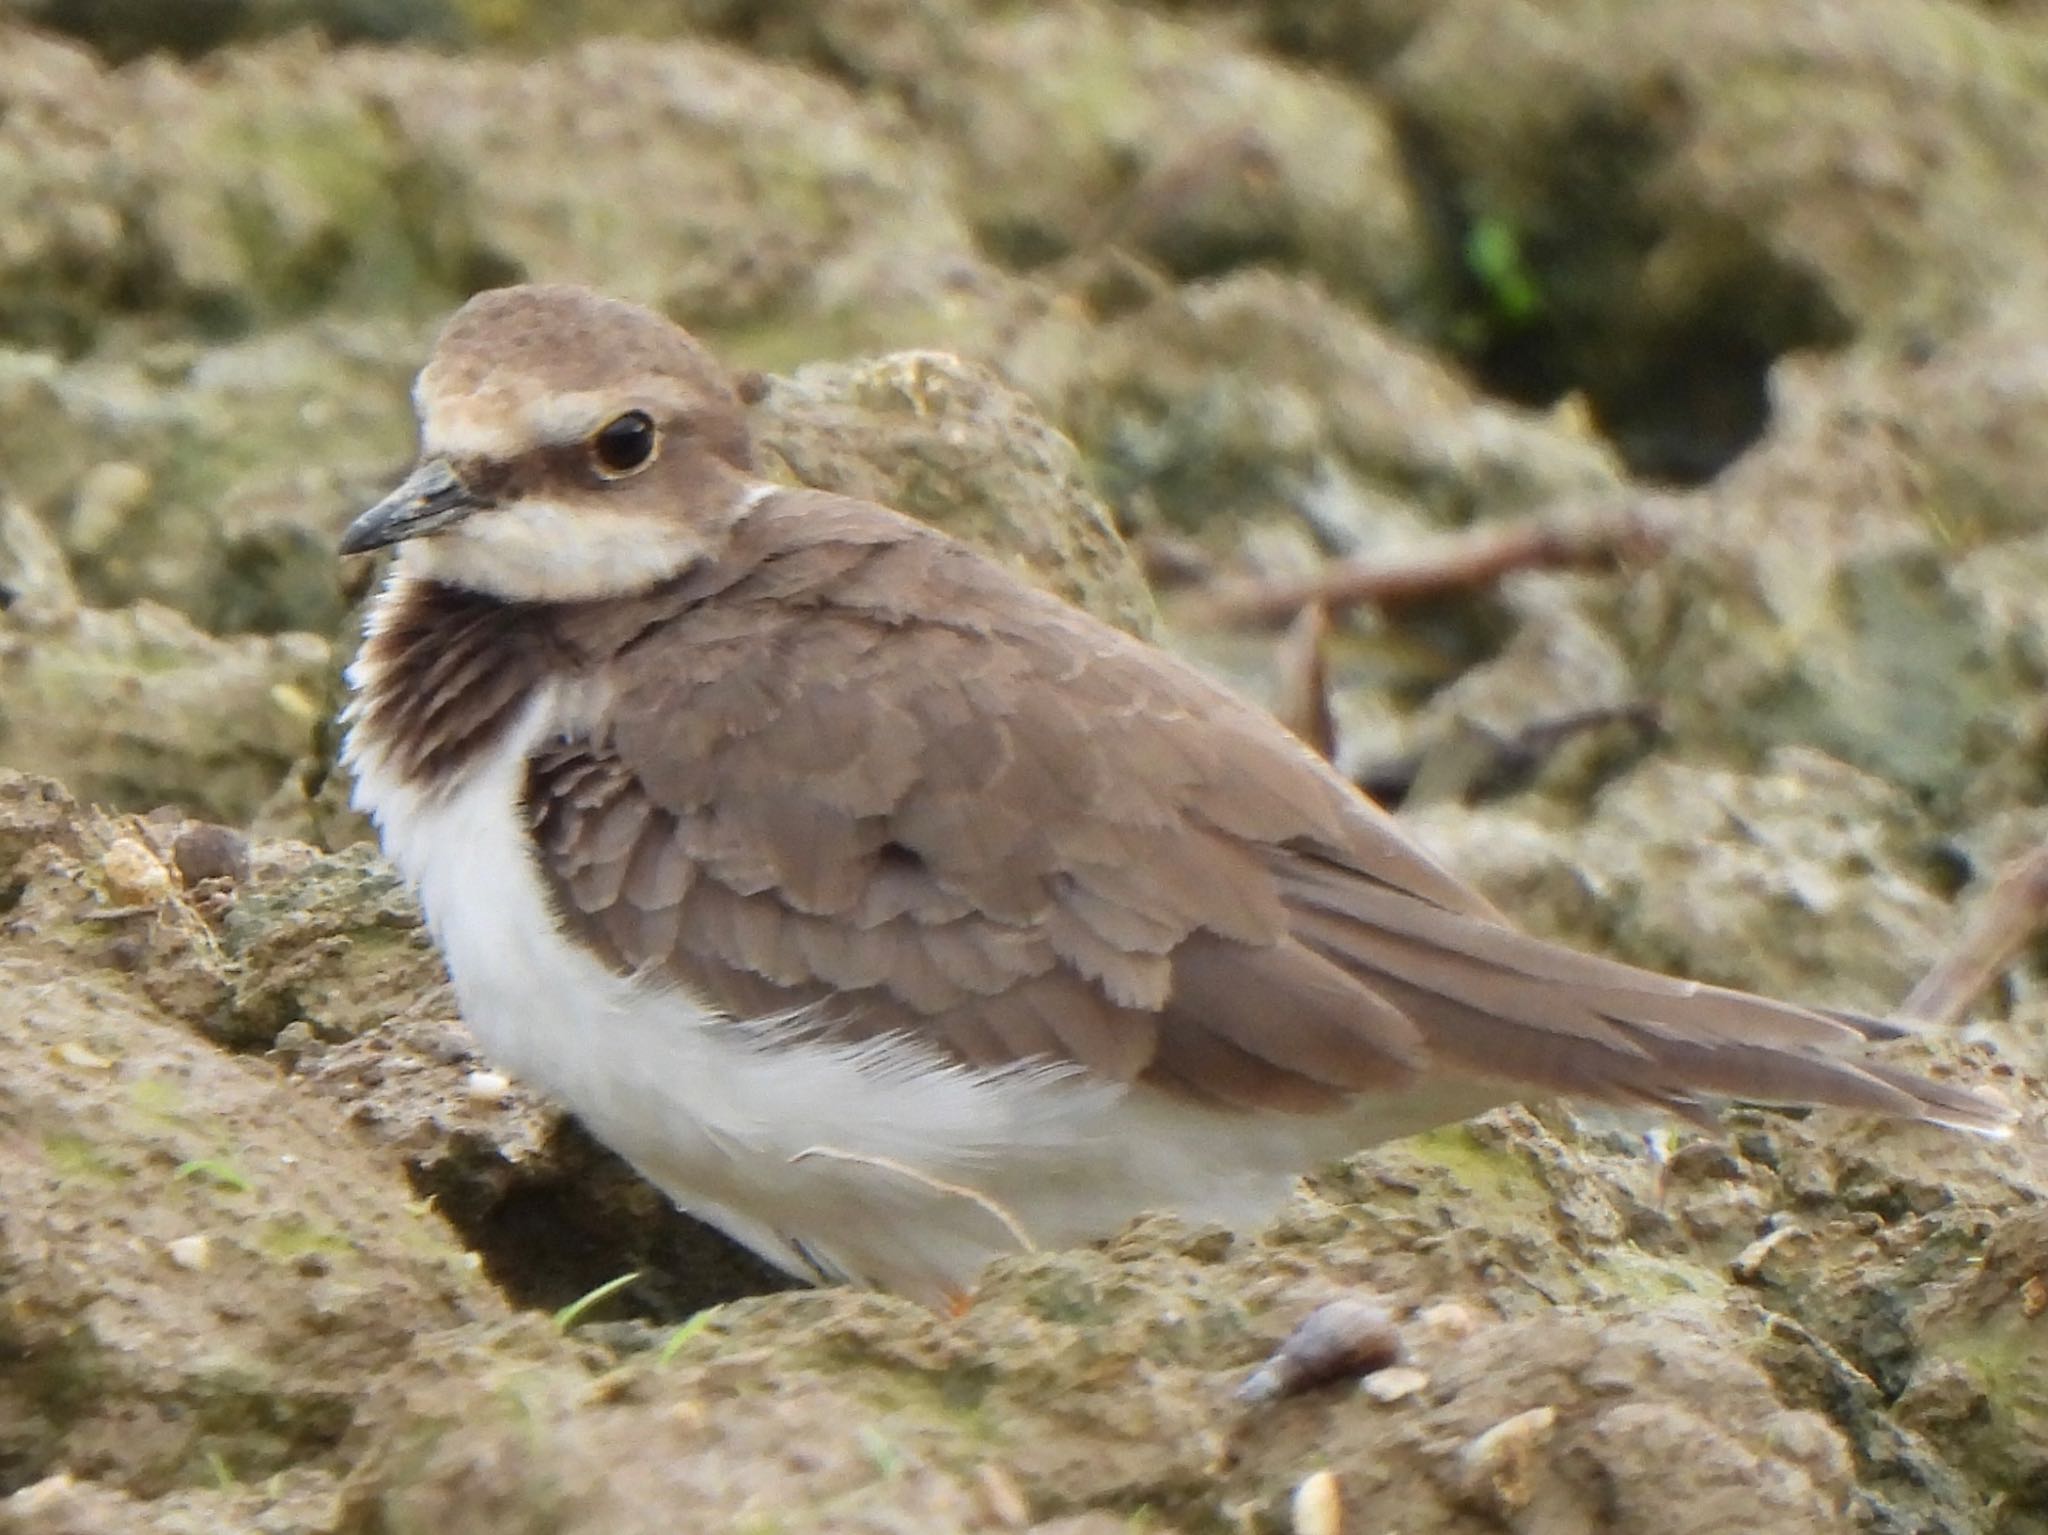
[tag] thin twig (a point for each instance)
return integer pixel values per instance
(120, 913)
(2005, 920)
(1302, 680)
(975, 1197)
(1475, 558)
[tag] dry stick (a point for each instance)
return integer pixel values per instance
(1301, 668)
(1458, 562)
(2005, 920)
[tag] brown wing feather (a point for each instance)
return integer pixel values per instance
(864, 768)
(882, 786)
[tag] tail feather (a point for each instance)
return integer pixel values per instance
(1943, 1103)
(1500, 1004)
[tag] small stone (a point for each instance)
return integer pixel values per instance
(72, 1053)
(203, 851)
(1748, 1265)
(134, 874)
(1497, 1467)
(486, 1086)
(194, 1253)
(2034, 1297)
(1317, 1508)
(1395, 1384)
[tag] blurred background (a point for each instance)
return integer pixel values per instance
(1740, 302)
(1613, 429)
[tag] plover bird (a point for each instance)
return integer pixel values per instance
(891, 914)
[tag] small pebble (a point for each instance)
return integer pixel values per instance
(203, 851)
(2034, 1297)
(133, 873)
(194, 1253)
(1316, 1507)
(1392, 1385)
(486, 1086)
(1342, 1338)
(1497, 1466)
(72, 1053)
(1748, 1264)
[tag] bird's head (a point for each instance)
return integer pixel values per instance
(571, 447)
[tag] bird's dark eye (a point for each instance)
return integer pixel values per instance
(624, 444)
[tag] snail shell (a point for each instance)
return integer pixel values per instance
(1339, 1340)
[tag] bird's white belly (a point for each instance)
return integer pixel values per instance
(879, 1161)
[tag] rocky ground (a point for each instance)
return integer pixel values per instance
(1729, 319)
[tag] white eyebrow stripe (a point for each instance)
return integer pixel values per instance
(459, 428)
(565, 418)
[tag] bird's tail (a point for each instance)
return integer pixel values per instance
(1497, 1003)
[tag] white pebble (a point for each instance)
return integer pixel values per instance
(1316, 1508)
(133, 873)
(193, 1252)
(1392, 1385)
(1746, 1266)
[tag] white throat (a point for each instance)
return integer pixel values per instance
(542, 551)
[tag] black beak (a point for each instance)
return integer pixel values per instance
(431, 499)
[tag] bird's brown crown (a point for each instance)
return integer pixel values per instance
(544, 364)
